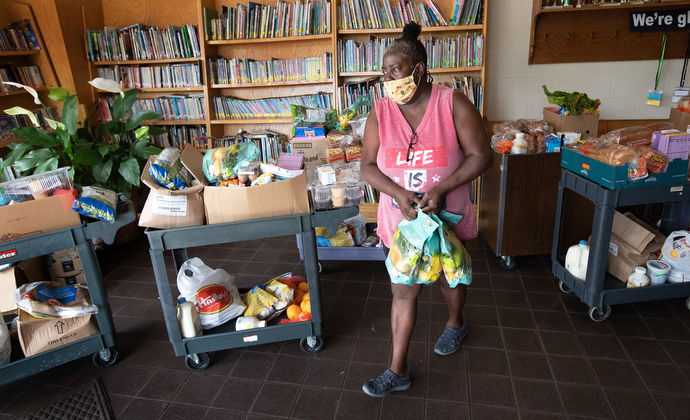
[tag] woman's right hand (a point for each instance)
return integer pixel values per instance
(407, 202)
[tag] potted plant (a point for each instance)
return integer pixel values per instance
(112, 156)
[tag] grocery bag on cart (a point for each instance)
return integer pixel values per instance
(676, 252)
(213, 292)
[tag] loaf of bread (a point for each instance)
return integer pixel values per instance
(612, 154)
(638, 135)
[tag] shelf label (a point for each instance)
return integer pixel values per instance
(250, 338)
(170, 205)
(660, 20)
(677, 189)
(613, 249)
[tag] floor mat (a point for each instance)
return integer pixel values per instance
(88, 402)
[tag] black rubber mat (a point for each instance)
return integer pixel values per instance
(89, 402)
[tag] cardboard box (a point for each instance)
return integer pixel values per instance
(36, 217)
(315, 150)
(65, 267)
(615, 177)
(632, 244)
(10, 279)
(166, 209)
(587, 125)
(680, 119)
(233, 204)
(40, 334)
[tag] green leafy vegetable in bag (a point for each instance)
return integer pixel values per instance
(575, 103)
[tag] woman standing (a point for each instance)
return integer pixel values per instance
(423, 145)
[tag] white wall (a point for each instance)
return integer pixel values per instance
(513, 87)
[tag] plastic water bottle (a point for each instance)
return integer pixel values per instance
(638, 278)
(519, 144)
(188, 319)
(576, 260)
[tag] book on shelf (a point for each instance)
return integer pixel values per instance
(381, 14)
(9, 122)
(235, 108)
(7, 74)
(245, 70)
(180, 136)
(27, 29)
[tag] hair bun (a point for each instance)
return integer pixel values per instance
(411, 31)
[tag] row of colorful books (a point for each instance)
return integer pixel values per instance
(376, 14)
(461, 51)
(19, 36)
(354, 56)
(245, 70)
(466, 12)
(26, 75)
(143, 42)
(471, 88)
(270, 144)
(257, 20)
(166, 76)
(8, 122)
(171, 108)
(234, 108)
(348, 93)
(180, 136)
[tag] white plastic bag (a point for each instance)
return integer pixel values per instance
(213, 292)
(359, 223)
(5, 344)
(676, 251)
(49, 299)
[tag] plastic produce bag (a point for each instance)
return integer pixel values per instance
(96, 202)
(342, 236)
(676, 251)
(429, 267)
(269, 300)
(168, 170)
(213, 292)
(5, 344)
(306, 116)
(49, 299)
(218, 164)
(456, 261)
(249, 153)
(407, 247)
(359, 224)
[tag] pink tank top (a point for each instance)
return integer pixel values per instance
(437, 154)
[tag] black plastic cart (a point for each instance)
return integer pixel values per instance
(100, 345)
(225, 336)
(600, 290)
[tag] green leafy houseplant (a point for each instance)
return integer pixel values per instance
(111, 157)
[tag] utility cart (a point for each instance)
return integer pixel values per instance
(600, 290)
(101, 345)
(225, 336)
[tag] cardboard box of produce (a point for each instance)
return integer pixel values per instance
(36, 217)
(586, 125)
(614, 177)
(633, 243)
(680, 119)
(314, 149)
(40, 334)
(166, 209)
(65, 267)
(233, 204)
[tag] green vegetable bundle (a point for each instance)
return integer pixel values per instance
(575, 103)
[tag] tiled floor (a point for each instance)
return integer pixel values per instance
(532, 353)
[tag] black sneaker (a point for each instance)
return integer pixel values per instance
(450, 341)
(386, 383)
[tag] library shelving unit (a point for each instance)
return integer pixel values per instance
(11, 11)
(98, 15)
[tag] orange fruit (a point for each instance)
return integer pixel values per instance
(306, 305)
(299, 295)
(306, 296)
(303, 286)
(293, 311)
(301, 314)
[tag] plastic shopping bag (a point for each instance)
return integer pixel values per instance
(213, 292)
(429, 267)
(676, 251)
(456, 261)
(5, 344)
(408, 247)
(49, 299)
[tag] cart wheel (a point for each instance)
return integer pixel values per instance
(599, 314)
(687, 303)
(320, 267)
(202, 363)
(106, 358)
(564, 288)
(508, 263)
(311, 344)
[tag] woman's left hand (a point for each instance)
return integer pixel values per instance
(433, 201)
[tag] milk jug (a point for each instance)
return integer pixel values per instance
(576, 260)
(519, 144)
(188, 319)
(638, 278)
